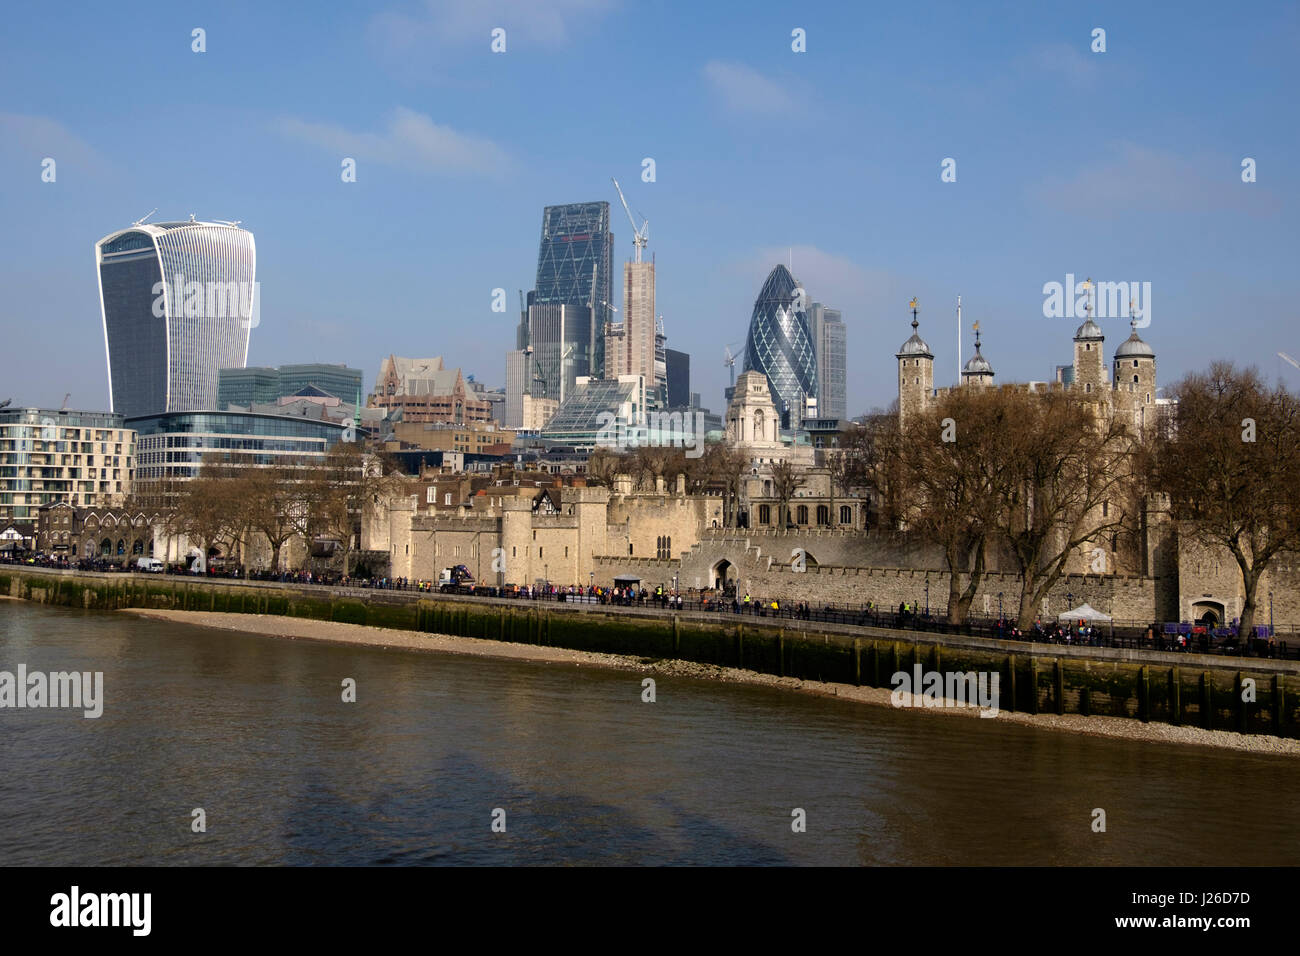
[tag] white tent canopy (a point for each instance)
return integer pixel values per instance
(1084, 612)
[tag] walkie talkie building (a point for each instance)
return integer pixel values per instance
(179, 300)
(780, 345)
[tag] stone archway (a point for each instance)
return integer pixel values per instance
(721, 574)
(1209, 613)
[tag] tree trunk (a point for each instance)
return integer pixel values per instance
(952, 557)
(1250, 581)
(973, 586)
(1025, 619)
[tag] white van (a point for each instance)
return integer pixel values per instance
(151, 565)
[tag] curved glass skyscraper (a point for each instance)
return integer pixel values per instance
(178, 300)
(780, 345)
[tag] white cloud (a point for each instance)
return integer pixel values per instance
(441, 24)
(1078, 67)
(1142, 179)
(744, 90)
(41, 136)
(411, 141)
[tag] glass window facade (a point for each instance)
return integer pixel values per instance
(169, 361)
(575, 264)
(780, 345)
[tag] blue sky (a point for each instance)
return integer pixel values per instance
(1122, 165)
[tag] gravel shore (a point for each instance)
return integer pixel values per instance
(337, 633)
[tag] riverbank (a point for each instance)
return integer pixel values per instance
(335, 632)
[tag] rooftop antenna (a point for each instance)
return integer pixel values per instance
(140, 221)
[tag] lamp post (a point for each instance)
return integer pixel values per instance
(1270, 614)
(927, 597)
(999, 607)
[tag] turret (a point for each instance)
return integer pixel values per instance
(915, 373)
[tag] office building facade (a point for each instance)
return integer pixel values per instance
(178, 300)
(55, 455)
(780, 345)
(250, 386)
(830, 346)
(575, 264)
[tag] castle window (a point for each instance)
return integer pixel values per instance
(823, 515)
(1135, 378)
(1135, 363)
(1087, 387)
(916, 381)
(846, 514)
(764, 514)
(802, 514)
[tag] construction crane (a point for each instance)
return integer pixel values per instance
(64, 406)
(729, 361)
(639, 236)
(1288, 359)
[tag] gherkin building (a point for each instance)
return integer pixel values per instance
(780, 345)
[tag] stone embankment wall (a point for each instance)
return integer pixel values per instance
(1189, 689)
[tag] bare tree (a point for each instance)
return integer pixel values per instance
(1230, 463)
(949, 463)
(340, 488)
(786, 480)
(1063, 461)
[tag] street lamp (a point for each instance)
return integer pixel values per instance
(927, 597)
(999, 607)
(1270, 614)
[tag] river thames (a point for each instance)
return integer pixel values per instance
(254, 731)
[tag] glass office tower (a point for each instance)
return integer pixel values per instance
(780, 345)
(575, 265)
(178, 301)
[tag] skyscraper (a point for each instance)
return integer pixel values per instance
(679, 379)
(630, 345)
(780, 345)
(178, 301)
(828, 336)
(575, 263)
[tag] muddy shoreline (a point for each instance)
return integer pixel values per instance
(337, 633)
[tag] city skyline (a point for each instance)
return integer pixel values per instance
(1151, 192)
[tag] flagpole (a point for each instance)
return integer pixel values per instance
(958, 340)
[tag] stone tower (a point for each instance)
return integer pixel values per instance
(1135, 380)
(977, 373)
(1089, 362)
(915, 373)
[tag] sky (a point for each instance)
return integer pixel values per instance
(1122, 165)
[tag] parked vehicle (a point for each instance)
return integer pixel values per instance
(457, 580)
(149, 565)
